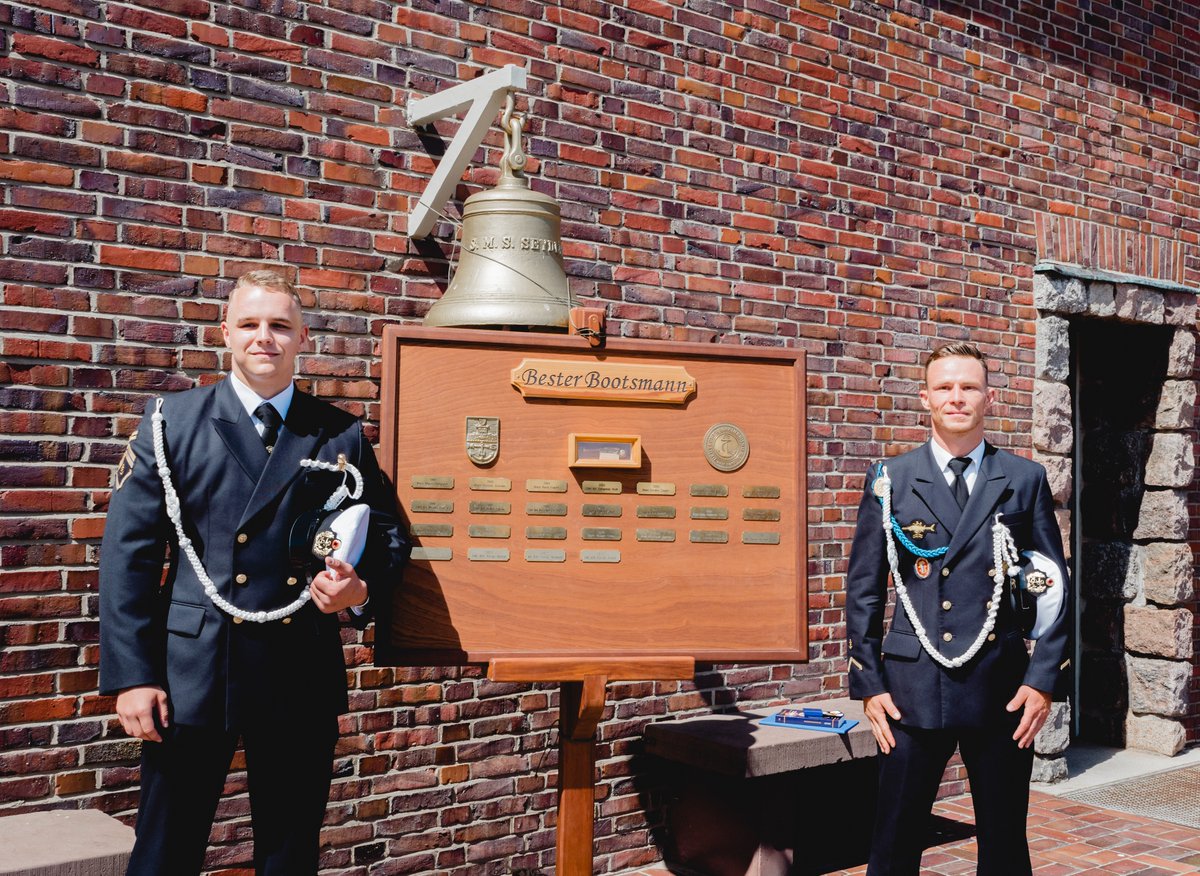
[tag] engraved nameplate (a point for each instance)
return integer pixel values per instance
(488, 555)
(546, 509)
(431, 553)
(600, 533)
(656, 511)
(438, 529)
(545, 555)
(760, 538)
(489, 531)
(557, 533)
(760, 492)
(600, 556)
(656, 535)
(490, 507)
(601, 510)
(760, 513)
(542, 485)
(709, 513)
(429, 506)
(496, 484)
(709, 536)
(655, 488)
(432, 482)
(601, 487)
(709, 490)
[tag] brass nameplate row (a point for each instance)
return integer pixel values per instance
(770, 514)
(432, 482)
(708, 536)
(651, 488)
(489, 531)
(716, 491)
(664, 511)
(705, 513)
(542, 485)
(441, 530)
(490, 507)
(601, 487)
(546, 509)
(501, 485)
(428, 506)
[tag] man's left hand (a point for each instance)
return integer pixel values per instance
(338, 587)
(1037, 709)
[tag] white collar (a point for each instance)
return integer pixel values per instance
(942, 456)
(251, 399)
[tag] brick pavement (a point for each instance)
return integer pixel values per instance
(1067, 839)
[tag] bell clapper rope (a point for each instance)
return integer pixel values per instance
(171, 499)
(1003, 549)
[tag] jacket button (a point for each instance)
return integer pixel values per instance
(945, 573)
(946, 637)
(991, 637)
(287, 620)
(947, 605)
(292, 582)
(988, 605)
(242, 538)
(237, 620)
(241, 578)
(991, 573)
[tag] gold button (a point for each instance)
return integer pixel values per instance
(945, 573)
(988, 605)
(241, 579)
(242, 538)
(237, 620)
(946, 637)
(991, 637)
(947, 605)
(292, 582)
(287, 620)
(991, 573)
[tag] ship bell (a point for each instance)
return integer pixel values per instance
(510, 271)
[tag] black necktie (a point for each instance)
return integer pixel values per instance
(272, 421)
(958, 465)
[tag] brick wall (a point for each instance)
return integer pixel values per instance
(850, 177)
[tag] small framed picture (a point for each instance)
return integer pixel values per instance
(604, 451)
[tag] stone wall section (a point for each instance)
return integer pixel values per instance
(1156, 575)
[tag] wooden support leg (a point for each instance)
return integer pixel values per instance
(581, 704)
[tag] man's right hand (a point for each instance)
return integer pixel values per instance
(137, 707)
(879, 708)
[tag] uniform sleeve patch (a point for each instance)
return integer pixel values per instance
(125, 466)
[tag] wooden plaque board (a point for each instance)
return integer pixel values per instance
(529, 555)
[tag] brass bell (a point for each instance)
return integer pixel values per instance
(510, 273)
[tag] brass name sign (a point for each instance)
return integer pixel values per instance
(567, 378)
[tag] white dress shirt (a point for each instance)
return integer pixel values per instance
(942, 457)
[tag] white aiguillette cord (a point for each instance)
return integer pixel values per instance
(185, 543)
(1004, 555)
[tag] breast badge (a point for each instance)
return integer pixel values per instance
(125, 466)
(918, 529)
(922, 567)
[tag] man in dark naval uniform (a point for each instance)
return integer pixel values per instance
(953, 669)
(237, 641)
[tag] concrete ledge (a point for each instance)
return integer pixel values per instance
(737, 745)
(64, 842)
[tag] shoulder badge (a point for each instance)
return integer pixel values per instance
(125, 466)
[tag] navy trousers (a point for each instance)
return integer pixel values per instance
(288, 773)
(909, 776)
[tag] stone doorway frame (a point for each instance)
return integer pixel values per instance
(1159, 613)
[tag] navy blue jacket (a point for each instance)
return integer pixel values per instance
(238, 505)
(953, 598)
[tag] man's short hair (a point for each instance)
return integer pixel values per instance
(272, 281)
(945, 351)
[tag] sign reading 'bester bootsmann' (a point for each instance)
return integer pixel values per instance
(565, 378)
